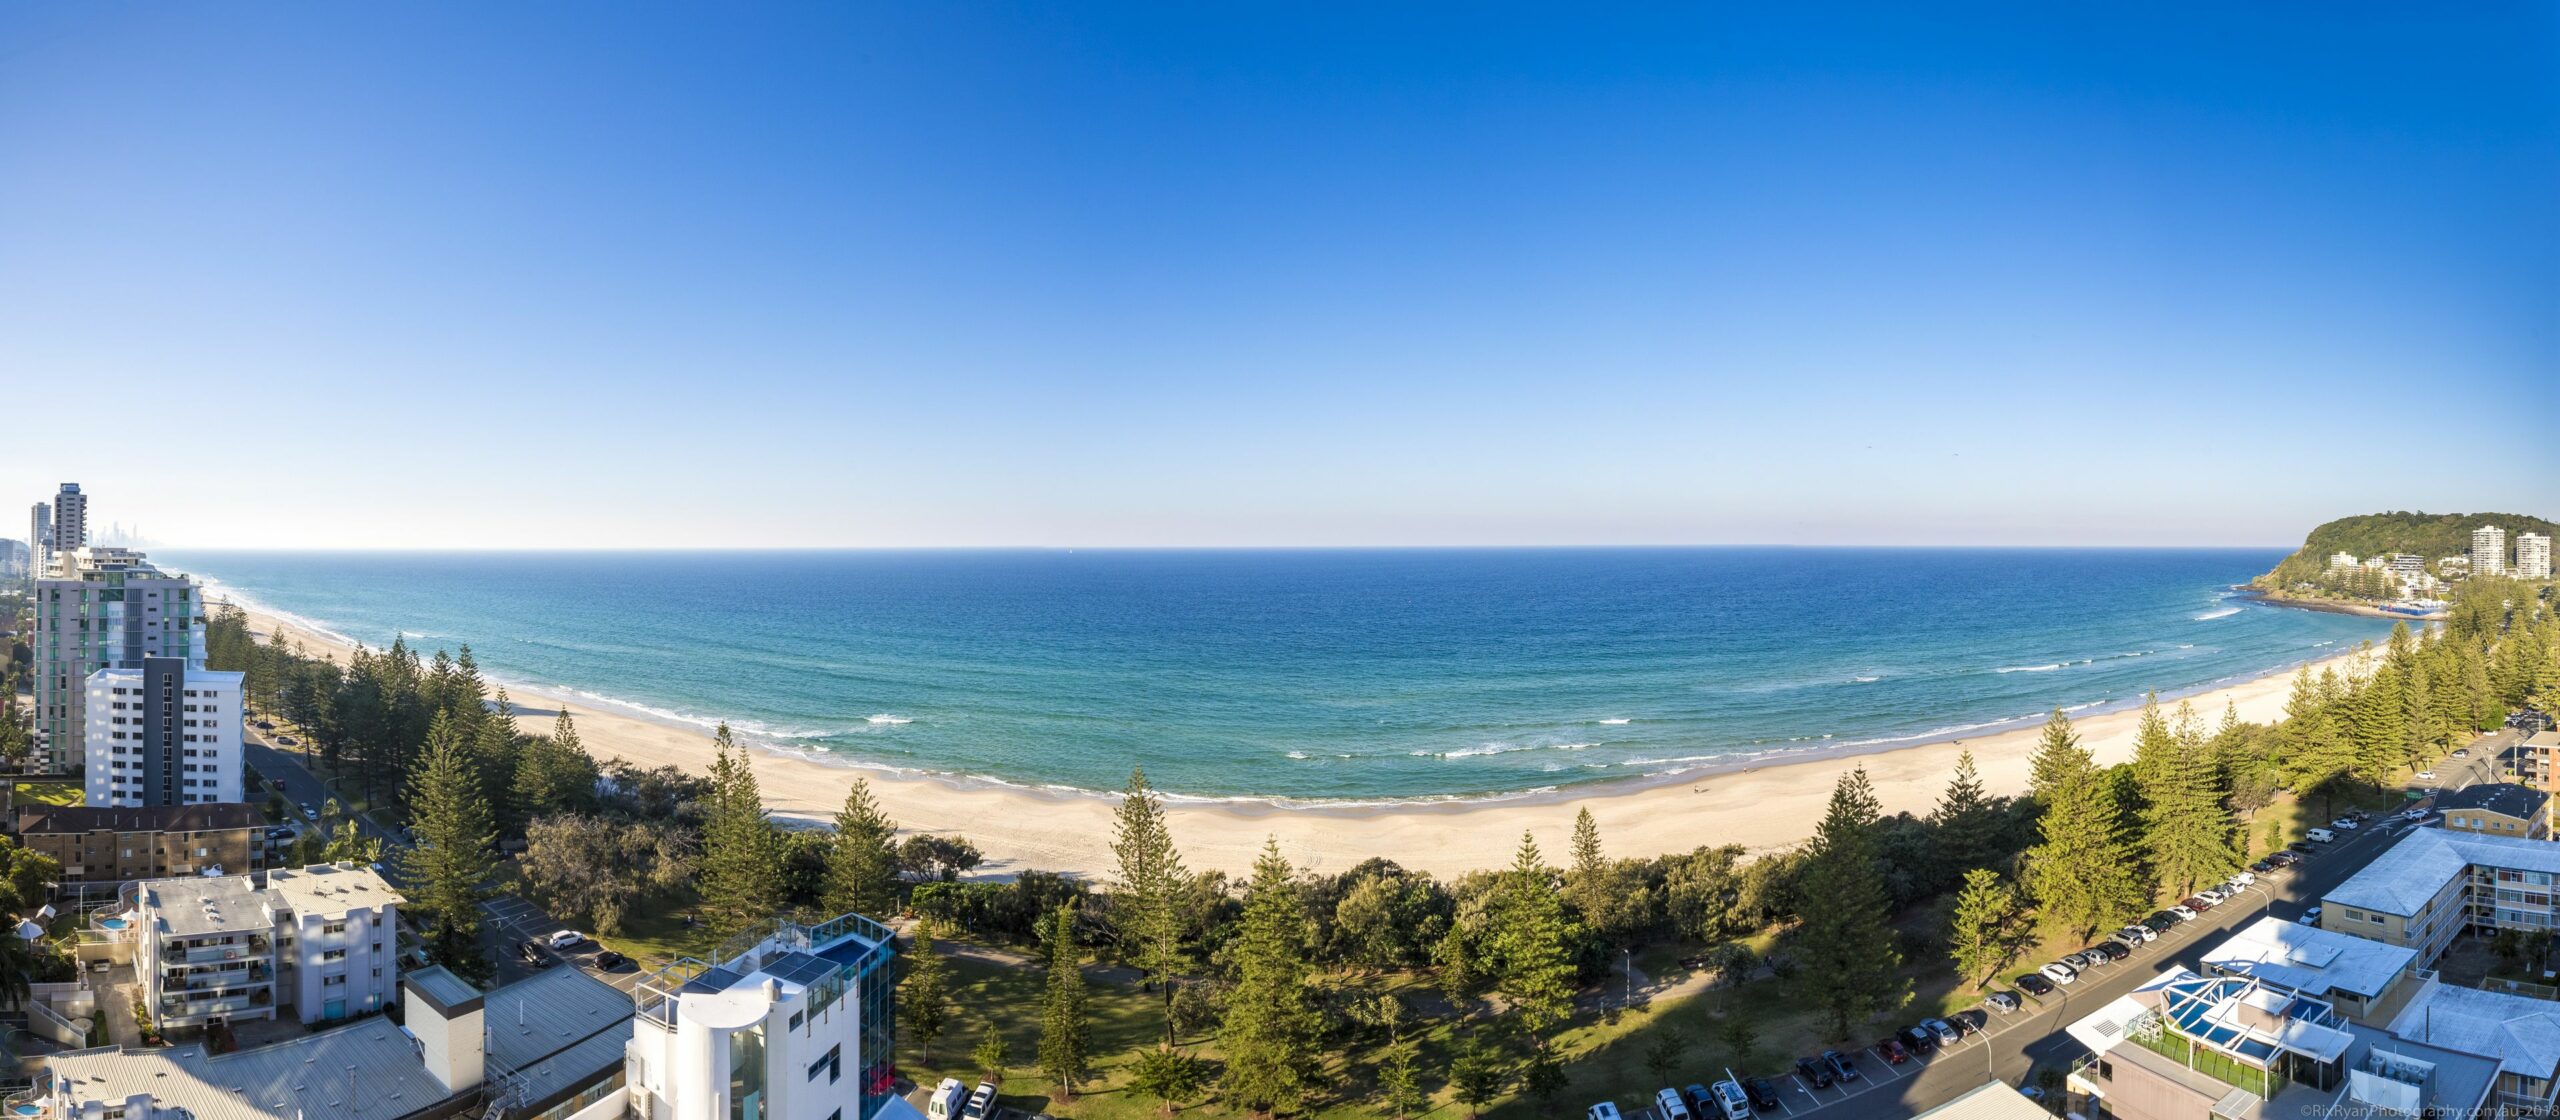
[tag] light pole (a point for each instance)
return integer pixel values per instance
(1629, 956)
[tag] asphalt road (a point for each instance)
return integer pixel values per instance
(2014, 1045)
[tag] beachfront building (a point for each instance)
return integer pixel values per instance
(2186, 1046)
(2521, 1032)
(2537, 760)
(2342, 561)
(544, 1048)
(2454, 567)
(165, 732)
(70, 526)
(788, 1022)
(2533, 556)
(2366, 981)
(2435, 883)
(2498, 809)
(321, 940)
(2489, 551)
(101, 847)
(100, 608)
(2407, 564)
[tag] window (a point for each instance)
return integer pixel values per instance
(832, 1065)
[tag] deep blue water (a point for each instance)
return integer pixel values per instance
(1321, 674)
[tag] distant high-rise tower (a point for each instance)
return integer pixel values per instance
(70, 519)
(102, 608)
(39, 537)
(2488, 551)
(2533, 556)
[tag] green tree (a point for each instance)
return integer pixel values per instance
(1147, 908)
(1066, 1032)
(449, 865)
(924, 994)
(1739, 1035)
(2058, 755)
(2081, 875)
(1851, 968)
(1168, 1076)
(1587, 883)
(1536, 977)
(1544, 1079)
(1979, 935)
(1271, 1025)
(1479, 1073)
(1668, 1050)
(1965, 819)
(1400, 1091)
(991, 1055)
(741, 869)
(862, 862)
(2186, 827)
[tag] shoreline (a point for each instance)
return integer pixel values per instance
(1760, 803)
(2332, 606)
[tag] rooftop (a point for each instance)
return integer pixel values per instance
(365, 1068)
(49, 819)
(198, 905)
(553, 1032)
(1993, 1100)
(2522, 802)
(2308, 959)
(2419, 867)
(325, 888)
(2521, 1032)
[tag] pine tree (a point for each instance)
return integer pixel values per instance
(1146, 902)
(493, 753)
(2058, 755)
(449, 867)
(1479, 1073)
(1168, 1075)
(1066, 1033)
(2186, 826)
(1400, 1091)
(924, 994)
(1963, 819)
(741, 868)
(862, 863)
(1587, 884)
(2152, 745)
(1850, 967)
(2082, 875)
(1536, 977)
(1271, 1025)
(992, 1055)
(1978, 933)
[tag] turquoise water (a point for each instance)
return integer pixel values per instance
(1322, 674)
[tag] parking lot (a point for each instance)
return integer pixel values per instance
(513, 921)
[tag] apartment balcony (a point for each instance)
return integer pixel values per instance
(255, 948)
(212, 982)
(183, 1010)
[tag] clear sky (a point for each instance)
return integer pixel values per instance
(559, 275)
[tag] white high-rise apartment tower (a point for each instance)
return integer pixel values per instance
(166, 733)
(103, 608)
(39, 538)
(2488, 551)
(70, 520)
(2533, 556)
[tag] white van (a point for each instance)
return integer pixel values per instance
(982, 1102)
(2319, 836)
(1670, 1106)
(947, 1100)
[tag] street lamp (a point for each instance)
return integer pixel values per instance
(1630, 957)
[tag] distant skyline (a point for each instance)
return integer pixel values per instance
(586, 275)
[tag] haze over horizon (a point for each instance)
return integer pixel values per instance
(483, 276)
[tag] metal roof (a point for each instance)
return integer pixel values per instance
(2506, 798)
(548, 1012)
(197, 905)
(1992, 1100)
(368, 1068)
(74, 819)
(2424, 862)
(2521, 1032)
(439, 984)
(2311, 960)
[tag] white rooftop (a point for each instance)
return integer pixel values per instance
(2309, 959)
(2424, 862)
(2522, 1032)
(368, 1068)
(1992, 1100)
(331, 888)
(197, 906)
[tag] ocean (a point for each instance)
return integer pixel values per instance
(1323, 674)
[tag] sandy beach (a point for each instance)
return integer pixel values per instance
(1770, 807)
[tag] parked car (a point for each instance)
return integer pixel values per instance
(2311, 917)
(2127, 937)
(2184, 912)
(2060, 973)
(281, 832)
(284, 740)
(1731, 1101)
(1668, 1105)
(1605, 1110)
(1814, 1073)
(947, 1100)
(2160, 922)
(1893, 1051)
(1969, 1021)
(1841, 1064)
(2077, 961)
(2145, 932)
(566, 939)
(2197, 903)
(1943, 1030)
(1918, 1041)
(2319, 836)
(308, 811)
(609, 960)
(2244, 878)
(2262, 867)
(2003, 1002)
(2110, 952)
(1700, 1104)
(1763, 1093)
(2426, 775)
(982, 1102)
(2345, 824)
(2462, 753)
(2035, 984)
(266, 725)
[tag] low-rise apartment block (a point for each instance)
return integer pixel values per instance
(2497, 809)
(98, 846)
(2521, 1032)
(321, 940)
(2434, 884)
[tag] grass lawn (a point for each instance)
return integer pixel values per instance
(51, 793)
(658, 935)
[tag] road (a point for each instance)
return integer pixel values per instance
(2016, 1044)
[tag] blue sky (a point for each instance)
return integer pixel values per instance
(932, 274)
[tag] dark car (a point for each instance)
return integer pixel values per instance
(1918, 1041)
(1815, 1073)
(286, 740)
(2197, 903)
(1969, 1021)
(264, 725)
(609, 960)
(2263, 866)
(2161, 922)
(1893, 1052)
(1840, 1064)
(2111, 951)
(1763, 1094)
(2035, 985)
